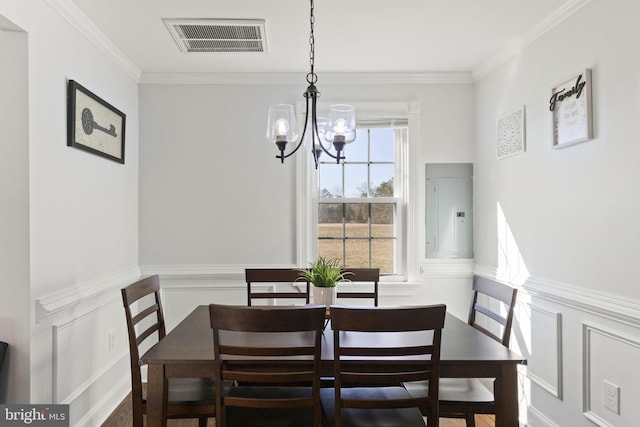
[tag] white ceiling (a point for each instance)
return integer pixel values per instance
(352, 36)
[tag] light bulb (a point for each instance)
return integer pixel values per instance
(281, 129)
(340, 126)
(281, 124)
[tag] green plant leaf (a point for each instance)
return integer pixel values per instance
(324, 273)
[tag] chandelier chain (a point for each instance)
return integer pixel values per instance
(312, 78)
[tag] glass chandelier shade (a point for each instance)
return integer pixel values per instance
(340, 128)
(282, 126)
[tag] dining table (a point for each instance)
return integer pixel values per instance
(187, 352)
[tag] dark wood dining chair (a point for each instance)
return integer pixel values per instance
(187, 397)
(364, 396)
(274, 276)
(362, 275)
(278, 373)
(3, 383)
(465, 397)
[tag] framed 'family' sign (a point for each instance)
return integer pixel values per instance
(570, 106)
(93, 124)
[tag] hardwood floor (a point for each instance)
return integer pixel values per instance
(121, 417)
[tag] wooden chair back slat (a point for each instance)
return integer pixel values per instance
(275, 276)
(357, 275)
(418, 363)
(495, 293)
(271, 358)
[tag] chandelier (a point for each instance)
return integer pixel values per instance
(338, 128)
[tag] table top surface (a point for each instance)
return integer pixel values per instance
(191, 341)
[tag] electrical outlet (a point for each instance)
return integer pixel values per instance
(611, 397)
(112, 341)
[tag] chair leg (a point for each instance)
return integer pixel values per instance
(471, 419)
(202, 422)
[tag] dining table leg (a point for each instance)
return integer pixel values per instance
(156, 395)
(506, 394)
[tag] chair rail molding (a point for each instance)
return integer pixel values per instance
(201, 271)
(609, 306)
(92, 294)
(231, 277)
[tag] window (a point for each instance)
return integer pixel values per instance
(358, 213)
(382, 222)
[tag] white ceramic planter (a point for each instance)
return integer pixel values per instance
(324, 296)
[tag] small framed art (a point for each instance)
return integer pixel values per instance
(570, 106)
(510, 128)
(93, 124)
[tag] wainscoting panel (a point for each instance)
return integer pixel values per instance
(545, 366)
(575, 339)
(610, 358)
(82, 351)
(82, 333)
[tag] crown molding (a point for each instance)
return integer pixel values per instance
(559, 16)
(72, 14)
(296, 78)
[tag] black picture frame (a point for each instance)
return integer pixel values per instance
(94, 125)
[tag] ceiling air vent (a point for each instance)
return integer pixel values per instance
(218, 35)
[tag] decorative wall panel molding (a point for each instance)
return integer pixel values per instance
(610, 360)
(537, 418)
(75, 372)
(546, 368)
(576, 332)
(104, 406)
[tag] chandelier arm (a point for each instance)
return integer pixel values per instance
(314, 121)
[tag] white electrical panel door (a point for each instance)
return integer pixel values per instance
(449, 216)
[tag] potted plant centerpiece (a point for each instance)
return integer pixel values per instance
(324, 274)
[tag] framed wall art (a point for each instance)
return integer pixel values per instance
(93, 124)
(510, 128)
(570, 106)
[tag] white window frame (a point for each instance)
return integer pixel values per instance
(408, 175)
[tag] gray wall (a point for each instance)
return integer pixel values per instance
(14, 215)
(211, 190)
